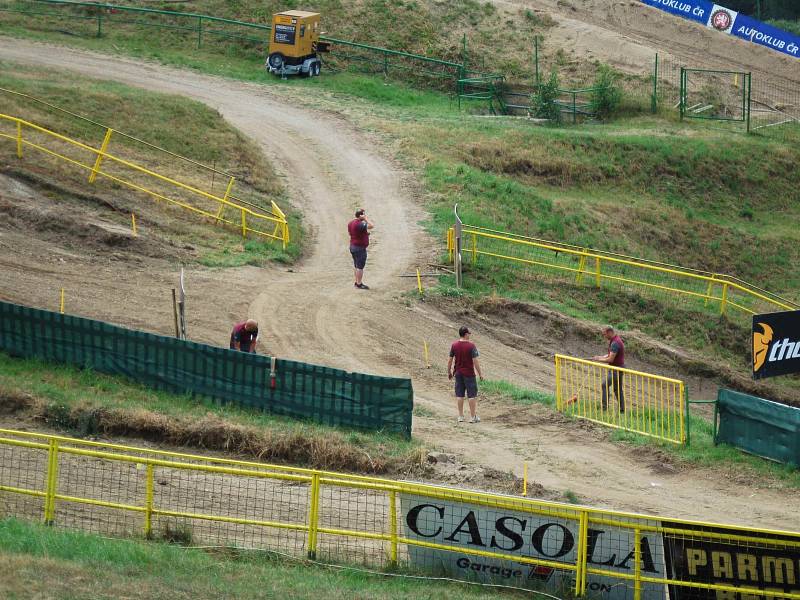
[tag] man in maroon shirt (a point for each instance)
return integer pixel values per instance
(615, 357)
(358, 229)
(463, 364)
(244, 336)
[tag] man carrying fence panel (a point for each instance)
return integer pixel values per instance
(616, 358)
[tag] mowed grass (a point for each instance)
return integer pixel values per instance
(83, 402)
(43, 562)
(176, 125)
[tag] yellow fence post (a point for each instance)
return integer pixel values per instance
(52, 481)
(313, 517)
(133, 225)
(558, 383)
(582, 554)
(474, 248)
(637, 564)
(525, 479)
(244, 225)
(393, 529)
(100, 155)
(724, 302)
(148, 502)
(225, 198)
(426, 353)
(597, 271)
(419, 282)
(61, 302)
(19, 139)
(581, 267)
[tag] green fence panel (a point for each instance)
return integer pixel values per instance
(300, 390)
(759, 426)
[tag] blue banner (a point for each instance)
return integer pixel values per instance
(729, 21)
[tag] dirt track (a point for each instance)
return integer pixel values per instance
(314, 313)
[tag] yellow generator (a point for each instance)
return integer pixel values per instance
(295, 44)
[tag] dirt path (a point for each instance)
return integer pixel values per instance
(314, 313)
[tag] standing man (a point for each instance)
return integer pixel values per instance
(465, 356)
(244, 336)
(358, 229)
(616, 358)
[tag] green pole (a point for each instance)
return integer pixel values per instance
(199, 32)
(654, 103)
(749, 98)
(536, 57)
(574, 108)
(100, 23)
(682, 92)
(758, 9)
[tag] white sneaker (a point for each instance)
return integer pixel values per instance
(460, 419)
(475, 419)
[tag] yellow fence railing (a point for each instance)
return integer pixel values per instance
(123, 491)
(584, 266)
(225, 209)
(647, 404)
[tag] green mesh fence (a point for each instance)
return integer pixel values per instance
(300, 390)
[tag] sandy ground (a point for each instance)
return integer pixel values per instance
(627, 34)
(314, 314)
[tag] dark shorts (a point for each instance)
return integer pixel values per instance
(466, 384)
(359, 257)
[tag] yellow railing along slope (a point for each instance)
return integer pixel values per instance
(594, 267)
(225, 208)
(123, 490)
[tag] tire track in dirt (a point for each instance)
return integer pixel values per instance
(315, 314)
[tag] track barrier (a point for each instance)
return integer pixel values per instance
(647, 404)
(563, 549)
(283, 387)
(96, 162)
(695, 289)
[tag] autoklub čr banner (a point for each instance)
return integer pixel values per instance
(731, 22)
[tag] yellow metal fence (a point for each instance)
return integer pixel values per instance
(648, 404)
(122, 491)
(585, 266)
(222, 209)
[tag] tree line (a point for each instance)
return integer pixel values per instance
(766, 9)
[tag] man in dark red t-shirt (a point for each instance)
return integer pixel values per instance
(616, 358)
(463, 364)
(358, 229)
(244, 336)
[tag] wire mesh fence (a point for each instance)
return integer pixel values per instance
(712, 293)
(482, 537)
(647, 404)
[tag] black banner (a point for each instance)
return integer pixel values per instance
(284, 34)
(769, 562)
(776, 344)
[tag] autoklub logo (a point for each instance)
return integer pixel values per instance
(721, 19)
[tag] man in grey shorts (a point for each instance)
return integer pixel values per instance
(359, 229)
(463, 364)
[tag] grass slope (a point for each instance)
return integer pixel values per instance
(39, 562)
(83, 402)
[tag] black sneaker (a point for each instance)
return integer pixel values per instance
(362, 286)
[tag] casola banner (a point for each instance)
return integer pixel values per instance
(731, 22)
(776, 344)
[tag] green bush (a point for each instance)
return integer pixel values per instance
(606, 98)
(543, 100)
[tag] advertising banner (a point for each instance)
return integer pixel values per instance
(771, 563)
(776, 344)
(731, 22)
(465, 526)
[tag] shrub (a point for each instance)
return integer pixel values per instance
(607, 95)
(543, 100)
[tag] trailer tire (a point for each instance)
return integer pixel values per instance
(276, 61)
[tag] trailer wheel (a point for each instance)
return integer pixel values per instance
(276, 61)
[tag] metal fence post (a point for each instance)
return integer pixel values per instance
(558, 384)
(654, 102)
(244, 225)
(637, 564)
(100, 155)
(19, 139)
(313, 516)
(687, 426)
(148, 501)
(582, 557)
(51, 484)
(536, 58)
(749, 98)
(682, 99)
(199, 32)
(724, 302)
(457, 248)
(100, 23)
(393, 529)
(597, 271)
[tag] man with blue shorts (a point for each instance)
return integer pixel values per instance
(462, 365)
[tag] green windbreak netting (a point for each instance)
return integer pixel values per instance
(759, 426)
(300, 390)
